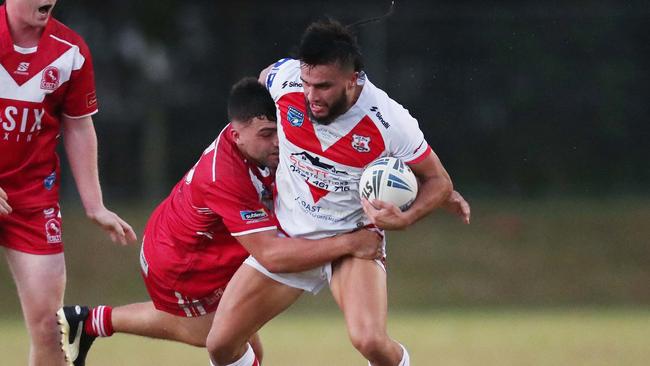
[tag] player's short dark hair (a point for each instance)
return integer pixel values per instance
(249, 99)
(328, 41)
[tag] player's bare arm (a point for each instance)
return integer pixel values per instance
(80, 143)
(280, 254)
(264, 73)
(435, 189)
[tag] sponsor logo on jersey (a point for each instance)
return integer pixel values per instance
(253, 216)
(295, 117)
(53, 231)
(22, 68)
(48, 212)
(48, 182)
(291, 84)
(19, 124)
(361, 143)
(91, 99)
(315, 161)
(319, 212)
(377, 113)
(50, 78)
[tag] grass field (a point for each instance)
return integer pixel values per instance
(607, 337)
(589, 257)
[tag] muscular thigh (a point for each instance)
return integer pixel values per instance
(359, 288)
(251, 299)
(40, 280)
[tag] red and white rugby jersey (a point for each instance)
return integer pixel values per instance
(223, 196)
(320, 166)
(37, 87)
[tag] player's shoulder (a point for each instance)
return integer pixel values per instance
(65, 34)
(221, 160)
(284, 72)
(382, 109)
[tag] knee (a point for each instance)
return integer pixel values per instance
(43, 328)
(221, 349)
(369, 342)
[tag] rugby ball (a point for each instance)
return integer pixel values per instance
(390, 180)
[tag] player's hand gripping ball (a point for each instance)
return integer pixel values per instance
(390, 180)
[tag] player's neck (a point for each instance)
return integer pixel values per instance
(23, 35)
(355, 96)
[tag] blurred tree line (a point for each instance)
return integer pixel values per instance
(518, 98)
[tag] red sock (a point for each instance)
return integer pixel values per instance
(99, 322)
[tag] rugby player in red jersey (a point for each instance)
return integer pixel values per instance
(197, 238)
(47, 89)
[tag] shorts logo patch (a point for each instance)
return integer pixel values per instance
(48, 182)
(253, 216)
(53, 231)
(295, 117)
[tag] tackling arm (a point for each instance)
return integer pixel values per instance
(279, 254)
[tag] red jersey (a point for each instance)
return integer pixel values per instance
(37, 87)
(193, 230)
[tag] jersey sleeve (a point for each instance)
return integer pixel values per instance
(407, 141)
(235, 199)
(282, 71)
(81, 99)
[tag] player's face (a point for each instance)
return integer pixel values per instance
(258, 141)
(329, 90)
(33, 13)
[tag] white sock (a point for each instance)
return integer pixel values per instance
(406, 361)
(248, 359)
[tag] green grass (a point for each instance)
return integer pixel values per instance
(606, 337)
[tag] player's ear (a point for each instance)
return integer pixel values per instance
(234, 133)
(353, 79)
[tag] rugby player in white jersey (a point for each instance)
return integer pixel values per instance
(332, 123)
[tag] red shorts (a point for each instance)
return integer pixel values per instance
(188, 292)
(32, 230)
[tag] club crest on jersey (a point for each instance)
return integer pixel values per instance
(53, 231)
(361, 143)
(50, 78)
(295, 117)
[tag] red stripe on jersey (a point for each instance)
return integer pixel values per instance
(421, 157)
(342, 151)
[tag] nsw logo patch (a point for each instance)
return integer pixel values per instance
(295, 117)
